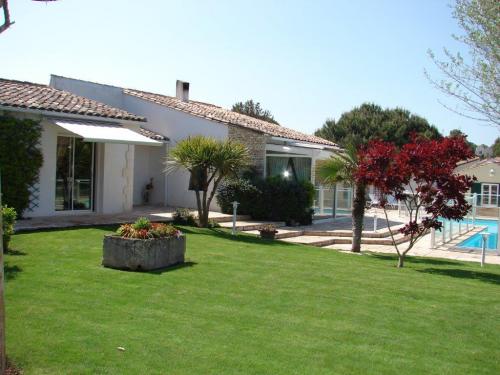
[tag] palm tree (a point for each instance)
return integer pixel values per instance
(341, 168)
(208, 161)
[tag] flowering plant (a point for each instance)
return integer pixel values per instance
(421, 176)
(144, 229)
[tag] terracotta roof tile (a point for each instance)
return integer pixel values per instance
(151, 134)
(219, 114)
(36, 96)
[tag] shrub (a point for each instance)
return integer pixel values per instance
(274, 198)
(9, 216)
(144, 229)
(284, 200)
(240, 190)
(183, 216)
(20, 159)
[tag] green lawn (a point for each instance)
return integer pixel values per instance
(246, 307)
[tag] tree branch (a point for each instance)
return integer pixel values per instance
(6, 14)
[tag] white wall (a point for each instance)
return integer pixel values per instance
(176, 125)
(116, 184)
(148, 163)
(114, 174)
(110, 95)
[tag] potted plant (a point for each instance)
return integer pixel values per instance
(268, 231)
(144, 246)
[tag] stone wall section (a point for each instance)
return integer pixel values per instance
(254, 141)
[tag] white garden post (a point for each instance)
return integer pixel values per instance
(235, 208)
(451, 230)
(460, 228)
(443, 232)
(498, 233)
(375, 222)
(483, 251)
(433, 238)
(474, 203)
(321, 198)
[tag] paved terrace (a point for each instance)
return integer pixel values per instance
(153, 213)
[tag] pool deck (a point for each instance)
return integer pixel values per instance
(423, 249)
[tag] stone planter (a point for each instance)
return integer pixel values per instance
(268, 235)
(142, 255)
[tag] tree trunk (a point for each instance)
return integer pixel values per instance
(2, 306)
(203, 216)
(358, 215)
(401, 261)
(199, 205)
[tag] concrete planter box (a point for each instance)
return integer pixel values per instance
(142, 255)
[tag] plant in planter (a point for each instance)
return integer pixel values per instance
(9, 216)
(144, 246)
(268, 231)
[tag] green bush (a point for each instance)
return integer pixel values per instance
(240, 190)
(20, 159)
(183, 216)
(274, 198)
(9, 216)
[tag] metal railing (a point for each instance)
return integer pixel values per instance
(329, 200)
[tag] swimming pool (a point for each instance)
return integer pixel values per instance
(476, 241)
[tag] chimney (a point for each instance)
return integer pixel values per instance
(182, 90)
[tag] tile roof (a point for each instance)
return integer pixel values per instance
(36, 96)
(151, 134)
(215, 113)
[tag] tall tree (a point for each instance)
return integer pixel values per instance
(253, 109)
(474, 80)
(208, 161)
(459, 133)
(356, 128)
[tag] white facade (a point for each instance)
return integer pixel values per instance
(171, 190)
(113, 169)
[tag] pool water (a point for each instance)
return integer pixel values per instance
(476, 241)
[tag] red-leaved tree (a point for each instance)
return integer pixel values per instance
(420, 175)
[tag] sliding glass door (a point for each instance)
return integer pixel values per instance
(74, 174)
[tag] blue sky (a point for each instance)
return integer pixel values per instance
(304, 60)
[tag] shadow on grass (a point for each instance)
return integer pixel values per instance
(486, 277)
(172, 268)
(10, 272)
(240, 237)
(14, 252)
(416, 260)
(104, 227)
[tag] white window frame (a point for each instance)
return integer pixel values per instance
(489, 199)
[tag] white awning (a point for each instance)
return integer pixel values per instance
(106, 133)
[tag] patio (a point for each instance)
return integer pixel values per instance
(153, 213)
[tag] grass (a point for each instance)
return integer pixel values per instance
(246, 307)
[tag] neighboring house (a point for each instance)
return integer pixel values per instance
(487, 172)
(484, 151)
(274, 149)
(87, 147)
(103, 145)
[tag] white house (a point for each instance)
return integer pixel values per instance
(274, 149)
(87, 147)
(102, 145)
